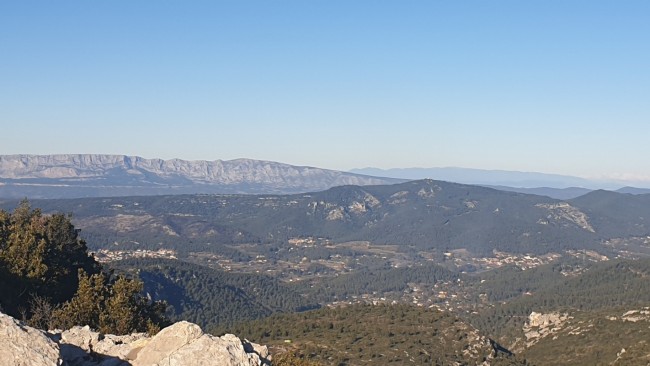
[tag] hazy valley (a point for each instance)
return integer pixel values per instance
(324, 183)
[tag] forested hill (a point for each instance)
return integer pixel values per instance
(602, 285)
(616, 214)
(423, 214)
(210, 297)
(594, 312)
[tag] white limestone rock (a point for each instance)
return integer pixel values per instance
(185, 344)
(89, 168)
(25, 346)
(180, 344)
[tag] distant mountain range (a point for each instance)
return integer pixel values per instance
(92, 175)
(486, 177)
(550, 185)
(86, 175)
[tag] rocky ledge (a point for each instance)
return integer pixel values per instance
(182, 343)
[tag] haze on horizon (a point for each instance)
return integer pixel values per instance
(554, 87)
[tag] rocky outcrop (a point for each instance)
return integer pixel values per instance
(116, 174)
(83, 346)
(541, 325)
(565, 212)
(637, 315)
(180, 344)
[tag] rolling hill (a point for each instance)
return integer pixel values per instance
(421, 215)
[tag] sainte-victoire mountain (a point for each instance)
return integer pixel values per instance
(88, 175)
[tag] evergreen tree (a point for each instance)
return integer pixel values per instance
(40, 255)
(85, 307)
(46, 274)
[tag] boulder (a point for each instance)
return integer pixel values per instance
(26, 346)
(185, 344)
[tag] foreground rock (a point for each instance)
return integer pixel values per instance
(180, 344)
(22, 345)
(184, 342)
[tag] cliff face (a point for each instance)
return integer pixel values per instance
(113, 172)
(180, 344)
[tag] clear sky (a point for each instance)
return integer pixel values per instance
(550, 86)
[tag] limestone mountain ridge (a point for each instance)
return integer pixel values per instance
(93, 175)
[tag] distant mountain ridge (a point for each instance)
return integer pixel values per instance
(557, 193)
(492, 177)
(92, 175)
(542, 184)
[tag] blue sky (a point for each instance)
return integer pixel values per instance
(549, 86)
